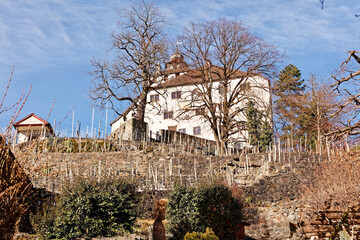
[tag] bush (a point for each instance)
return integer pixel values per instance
(88, 208)
(208, 235)
(44, 221)
(16, 190)
(195, 209)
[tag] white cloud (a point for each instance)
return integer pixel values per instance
(294, 26)
(313, 38)
(44, 33)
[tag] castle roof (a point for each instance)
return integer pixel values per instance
(195, 76)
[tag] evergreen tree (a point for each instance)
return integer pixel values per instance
(289, 90)
(259, 129)
(253, 123)
(290, 81)
(266, 135)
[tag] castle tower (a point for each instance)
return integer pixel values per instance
(176, 62)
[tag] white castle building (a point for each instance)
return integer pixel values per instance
(171, 104)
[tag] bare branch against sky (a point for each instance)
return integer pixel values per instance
(138, 46)
(221, 51)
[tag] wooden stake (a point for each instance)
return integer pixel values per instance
(72, 124)
(92, 123)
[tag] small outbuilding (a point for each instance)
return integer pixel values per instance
(32, 127)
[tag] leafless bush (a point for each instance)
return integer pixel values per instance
(15, 186)
(15, 191)
(334, 193)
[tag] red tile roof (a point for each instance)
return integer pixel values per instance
(194, 77)
(176, 70)
(29, 116)
(46, 123)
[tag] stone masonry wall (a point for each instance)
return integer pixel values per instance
(271, 189)
(275, 197)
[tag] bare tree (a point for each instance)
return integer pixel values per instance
(138, 47)
(347, 83)
(221, 51)
(316, 111)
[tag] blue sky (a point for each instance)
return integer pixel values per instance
(51, 43)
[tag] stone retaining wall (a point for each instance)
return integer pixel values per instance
(271, 189)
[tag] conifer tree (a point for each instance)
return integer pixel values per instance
(253, 123)
(259, 129)
(266, 135)
(289, 90)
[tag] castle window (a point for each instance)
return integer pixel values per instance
(176, 95)
(221, 88)
(197, 130)
(154, 98)
(200, 111)
(169, 115)
(182, 130)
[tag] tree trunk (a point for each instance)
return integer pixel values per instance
(140, 110)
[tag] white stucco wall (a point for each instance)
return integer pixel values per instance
(26, 133)
(116, 124)
(154, 114)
